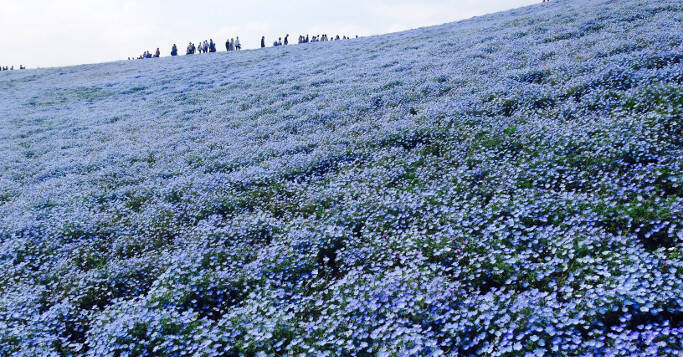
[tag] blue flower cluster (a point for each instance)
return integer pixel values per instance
(510, 184)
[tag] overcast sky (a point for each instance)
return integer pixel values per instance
(46, 33)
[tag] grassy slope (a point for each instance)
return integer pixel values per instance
(506, 183)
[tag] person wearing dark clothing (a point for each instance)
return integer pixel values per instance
(263, 41)
(174, 50)
(287, 40)
(157, 54)
(212, 46)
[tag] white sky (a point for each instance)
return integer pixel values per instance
(46, 33)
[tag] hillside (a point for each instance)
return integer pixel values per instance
(506, 184)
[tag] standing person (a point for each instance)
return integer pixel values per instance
(212, 46)
(263, 41)
(287, 40)
(227, 45)
(238, 45)
(157, 54)
(174, 50)
(232, 44)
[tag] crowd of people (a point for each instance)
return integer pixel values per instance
(321, 38)
(305, 39)
(234, 44)
(203, 47)
(10, 68)
(148, 54)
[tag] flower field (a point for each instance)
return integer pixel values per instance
(506, 185)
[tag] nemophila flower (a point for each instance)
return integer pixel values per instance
(431, 192)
